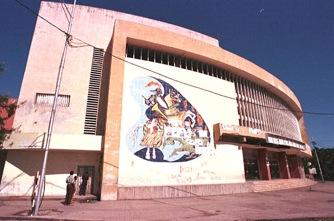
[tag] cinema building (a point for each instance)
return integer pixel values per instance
(150, 109)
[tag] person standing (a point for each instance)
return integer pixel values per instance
(74, 185)
(70, 188)
(83, 185)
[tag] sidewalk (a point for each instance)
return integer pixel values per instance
(295, 204)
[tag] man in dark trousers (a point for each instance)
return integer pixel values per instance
(70, 188)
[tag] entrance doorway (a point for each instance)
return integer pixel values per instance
(251, 164)
(85, 183)
(274, 165)
(293, 166)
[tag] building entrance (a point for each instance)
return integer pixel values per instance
(293, 166)
(251, 164)
(85, 183)
(274, 165)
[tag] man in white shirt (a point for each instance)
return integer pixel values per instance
(70, 187)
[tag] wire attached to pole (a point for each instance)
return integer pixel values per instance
(85, 44)
(53, 113)
(314, 144)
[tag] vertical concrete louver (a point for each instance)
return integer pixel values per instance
(94, 92)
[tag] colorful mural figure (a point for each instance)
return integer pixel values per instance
(170, 128)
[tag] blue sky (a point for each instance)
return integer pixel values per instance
(292, 39)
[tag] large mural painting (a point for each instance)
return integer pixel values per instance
(169, 128)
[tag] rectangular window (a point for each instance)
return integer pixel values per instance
(129, 51)
(171, 60)
(177, 61)
(47, 99)
(145, 54)
(151, 55)
(158, 56)
(189, 64)
(183, 63)
(164, 58)
(137, 53)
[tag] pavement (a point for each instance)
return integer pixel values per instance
(308, 203)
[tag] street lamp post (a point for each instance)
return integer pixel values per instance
(314, 144)
(41, 182)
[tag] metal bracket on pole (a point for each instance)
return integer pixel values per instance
(52, 116)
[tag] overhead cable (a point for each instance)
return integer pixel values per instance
(82, 43)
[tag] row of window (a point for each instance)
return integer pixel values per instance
(177, 61)
(257, 107)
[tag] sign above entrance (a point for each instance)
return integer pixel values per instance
(241, 131)
(253, 136)
(284, 142)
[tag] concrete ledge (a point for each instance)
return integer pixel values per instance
(41, 218)
(280, 184)
(54, 198)
(152, 192)
(35, 141)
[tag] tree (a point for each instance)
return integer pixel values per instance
(326, 159)
(7, 110)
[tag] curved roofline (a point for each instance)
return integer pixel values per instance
(140, 20)
(189, 43)
(155, 38)
(258, 74)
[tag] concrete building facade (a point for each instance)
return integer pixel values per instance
(149, 109)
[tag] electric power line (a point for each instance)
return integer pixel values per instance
(82, 43)
(38, 15)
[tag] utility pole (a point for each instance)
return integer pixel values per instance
(41, 182)
(314, 144)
